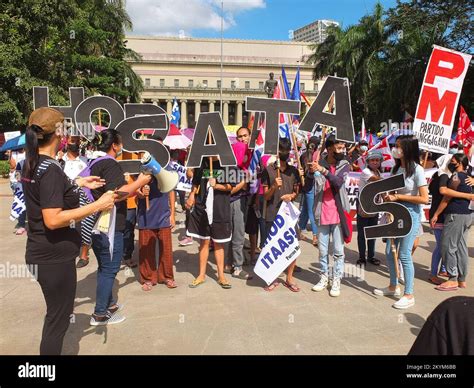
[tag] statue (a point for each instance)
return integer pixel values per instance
(270, 85)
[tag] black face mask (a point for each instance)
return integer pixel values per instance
(338, 156)
(452, 167)
(74, 148)
(284, 157)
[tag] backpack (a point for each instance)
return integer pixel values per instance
(87, 172)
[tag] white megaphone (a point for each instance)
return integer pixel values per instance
(167, 180)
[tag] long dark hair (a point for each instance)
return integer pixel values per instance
(411, 154)
(32, 148)
(103, 140)
(462, 159)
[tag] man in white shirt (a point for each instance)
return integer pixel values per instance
(74, 163)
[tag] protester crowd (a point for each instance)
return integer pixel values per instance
(66, 178)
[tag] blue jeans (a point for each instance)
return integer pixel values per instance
(307, 212)
(129, 234)
(325, 231)
(436, 256)
(405, 245)
(107, 270)
(362, 222)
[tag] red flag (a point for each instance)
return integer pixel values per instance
(465, 134)
(371, 141)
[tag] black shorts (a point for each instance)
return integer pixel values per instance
(251, 226)
(198, 227)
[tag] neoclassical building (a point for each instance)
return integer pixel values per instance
(190, 70)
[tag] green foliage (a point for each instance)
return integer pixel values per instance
(4, 168)
(385, 54)
(61, 44)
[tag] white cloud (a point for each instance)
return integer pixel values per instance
(168, 17)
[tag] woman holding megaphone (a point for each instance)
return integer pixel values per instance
(52, 206)
(109, 142)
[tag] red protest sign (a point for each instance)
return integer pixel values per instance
(439, 97)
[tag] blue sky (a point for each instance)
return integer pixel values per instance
(244, 19)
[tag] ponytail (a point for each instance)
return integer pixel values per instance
(32, 148)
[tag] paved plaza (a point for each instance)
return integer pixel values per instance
(211, 320)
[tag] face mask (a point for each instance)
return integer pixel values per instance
(452, 167)
(338, 156)
(364, 148)
(397, 153)
(284, 157)
(453, 151)
(73, 147)
(119, 153)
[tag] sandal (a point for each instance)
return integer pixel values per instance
(271, 287)
(82, 263)
(442, 287)
(130, 263)
(170, 283)
(374, 261)
(196, 283)
(224, 285)
(147, 286)
(244, 275)
(435, 280)
(291, 286)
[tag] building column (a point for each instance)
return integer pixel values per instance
(184, 114)
(225, 112)
(211, 106)
(169, 107)
(197, 109)
(238, 119)
(155, 102)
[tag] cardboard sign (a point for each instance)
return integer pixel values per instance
(439, 98)
(185, 183)
(272, 109)
(281, 246)
(210, 121)
(341, 119)
(402, 222)
(18, 205)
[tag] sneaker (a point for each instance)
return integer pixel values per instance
(20, 231)
(404, 303)
(116, 308)
(107, 319)
(322, 284)
(336, 287)
(186, 241)
(387, 292)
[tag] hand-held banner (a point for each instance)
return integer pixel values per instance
(281, 246)
(439, 98)
(402, 222)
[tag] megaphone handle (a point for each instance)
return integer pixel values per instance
(147, 200)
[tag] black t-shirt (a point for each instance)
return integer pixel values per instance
(111, 171)
(309, 176)
(437, 181)
(290, 178)
(221, 209)
(458, 205)
(50, 188)
(448, 331)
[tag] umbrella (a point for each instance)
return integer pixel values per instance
(177, 142)
(14, 144)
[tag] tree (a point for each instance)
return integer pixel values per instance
(62, 44)
(385, 55)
